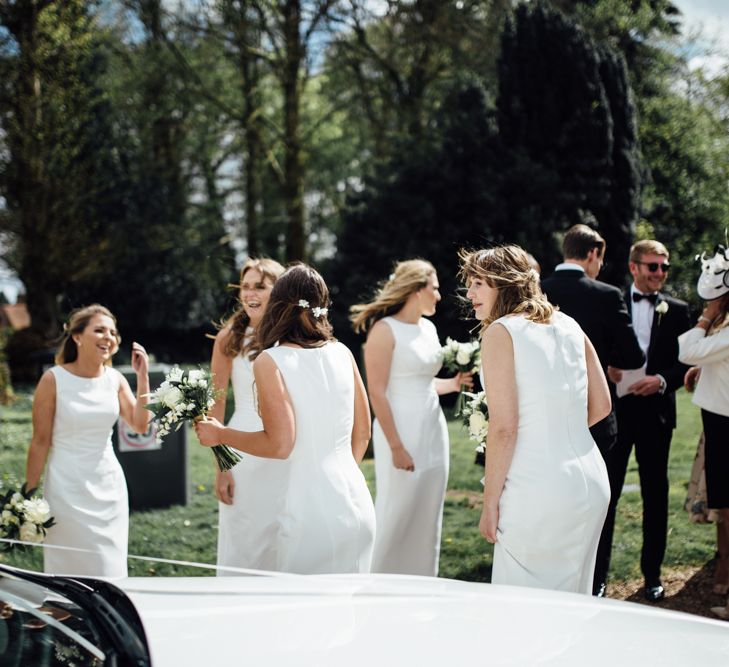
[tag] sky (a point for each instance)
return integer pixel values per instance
(711, 18)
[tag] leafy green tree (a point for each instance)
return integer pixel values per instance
(566, 116)
(59, 167)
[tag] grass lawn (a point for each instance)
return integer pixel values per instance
(189, 533)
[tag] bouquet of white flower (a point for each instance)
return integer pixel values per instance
(187, 396)
(23, 516)
(461, 358)
(475, 416)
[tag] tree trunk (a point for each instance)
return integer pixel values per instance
(33, 191)
(293, 166)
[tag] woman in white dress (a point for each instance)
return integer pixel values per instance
(315, 414)
(402, 357)
(75, 407)
(249, 493)
(546, 489)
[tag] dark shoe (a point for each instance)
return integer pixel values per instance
(599, 590)
(655, 592)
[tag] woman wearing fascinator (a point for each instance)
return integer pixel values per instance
(706, 347)
(314, 412)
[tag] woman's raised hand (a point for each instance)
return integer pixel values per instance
(208, 431)
(140, 360)
(463, 380)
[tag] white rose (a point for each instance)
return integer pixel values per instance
(29, 532)
(195, 376)
(477, 424)
(17, 499)
(662, 308)
(463, 357)
(7, 517)
(175, 375)
(172, 398)
(36, 510)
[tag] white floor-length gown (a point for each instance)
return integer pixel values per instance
(556, 494)
(84, 483)
(248, 529)
(409, 505)
(327, 522)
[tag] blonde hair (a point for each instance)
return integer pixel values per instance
(407, 278)
(238, 342)
(647, 247)
(78, 320)
(507, 269)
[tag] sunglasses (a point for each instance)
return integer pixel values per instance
(654, 266)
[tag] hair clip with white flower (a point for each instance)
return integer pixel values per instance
(316, 311)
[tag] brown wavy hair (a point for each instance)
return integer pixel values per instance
(407, 278)
(507, 269)
(285, 321)
(239, 321)
(78, 320)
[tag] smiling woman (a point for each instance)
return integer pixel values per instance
(74, 409)
(248, 492)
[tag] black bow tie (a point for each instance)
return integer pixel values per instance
(637, 296)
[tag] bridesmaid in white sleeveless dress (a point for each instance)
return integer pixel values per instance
(75, 407)
(315, 414)
(251, 492)
(402, 357)
(546, 490)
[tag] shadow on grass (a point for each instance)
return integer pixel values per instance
(688, 591)
(480, 572)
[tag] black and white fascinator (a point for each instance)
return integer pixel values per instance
(714, 279)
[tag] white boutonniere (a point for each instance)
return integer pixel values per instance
(661, 309)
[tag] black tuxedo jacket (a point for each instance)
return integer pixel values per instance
(600, 310)
(660, 409)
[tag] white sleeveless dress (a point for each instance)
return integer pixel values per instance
(556, 494)
(409, 505)
(327, 521)
(84, 483)
(248, 529)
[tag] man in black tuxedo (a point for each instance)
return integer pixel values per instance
(647, 412)
(600, 310)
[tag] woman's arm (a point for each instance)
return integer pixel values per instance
(362, 428)
(378, 360)
(221, 366)
(698, 349)
(131, 408)
(44, 411)
(276, 440)
(599, 403)
(497, 353)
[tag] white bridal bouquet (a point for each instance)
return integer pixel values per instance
(475, 415)
(187, 396)
(461, 358)
(23, 516)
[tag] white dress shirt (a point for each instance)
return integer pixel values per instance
(642, 315)
(569, 266)
(642, 312)
(711, 353)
